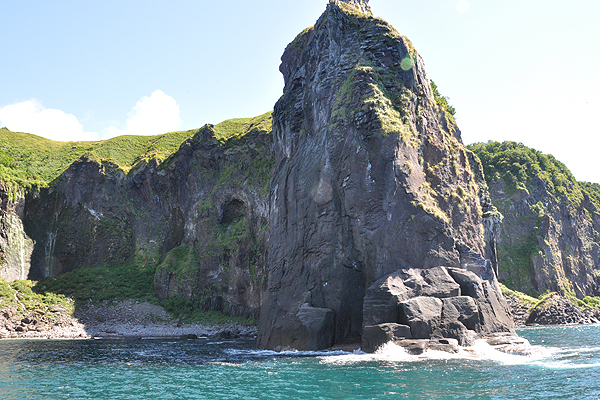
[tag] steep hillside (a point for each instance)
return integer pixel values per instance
(28, 160)
(550, 235)
(184, 215)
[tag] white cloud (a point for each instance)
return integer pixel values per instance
(32, 117)
(152, 115)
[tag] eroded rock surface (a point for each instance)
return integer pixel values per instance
(457, 305)
(371, 185)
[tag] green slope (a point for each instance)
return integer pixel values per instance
(28, 160)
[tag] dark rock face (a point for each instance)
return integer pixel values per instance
(370, 178)
(199, 218)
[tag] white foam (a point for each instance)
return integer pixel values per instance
(481, 351)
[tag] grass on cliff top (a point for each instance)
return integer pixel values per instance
(238, 127)
(28, 160)
(518, 165)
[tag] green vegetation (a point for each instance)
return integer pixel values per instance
(28, 160)
(238, 127)
(526, 170)
(115, 284)
(529, 300)
(102, 283)
(593, 190)
(301, 38)
(534, 302)
(442, 101)
(519, 165)
(21, 295)
(187, 310)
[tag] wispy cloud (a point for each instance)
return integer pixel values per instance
(151, 115)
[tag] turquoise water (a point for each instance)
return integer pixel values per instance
(566, 365)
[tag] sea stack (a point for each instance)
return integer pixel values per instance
(376, 228)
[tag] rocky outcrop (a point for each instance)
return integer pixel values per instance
(199, 219)
(518, 309)
(370, 178)
(434, 303)
(555, 309)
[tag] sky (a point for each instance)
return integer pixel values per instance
(521, 70)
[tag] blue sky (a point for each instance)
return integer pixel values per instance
(523, 70)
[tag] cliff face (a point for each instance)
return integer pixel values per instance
(15, 245)
(199, 219)
(371, 178)
(549, 238)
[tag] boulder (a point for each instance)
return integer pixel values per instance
(456, 331)
(380, 304)
(494, 314)
(509, 343)
(433, 282)
(422, 314)
(462, 309)
(374, 336)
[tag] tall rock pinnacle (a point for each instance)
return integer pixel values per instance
(362, 5)
(372, 184)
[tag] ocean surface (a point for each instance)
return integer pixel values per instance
(565, 365)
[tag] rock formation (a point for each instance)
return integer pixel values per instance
(375, 213)
(199, 219)
(555, 309)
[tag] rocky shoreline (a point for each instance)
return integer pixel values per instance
(118, 320)
(552, 310)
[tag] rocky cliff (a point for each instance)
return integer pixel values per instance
(15, 245)
(198, 219)
(549, 239)
(374, 202)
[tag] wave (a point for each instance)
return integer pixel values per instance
(480, 351)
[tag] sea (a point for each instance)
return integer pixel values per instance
(565, 364)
